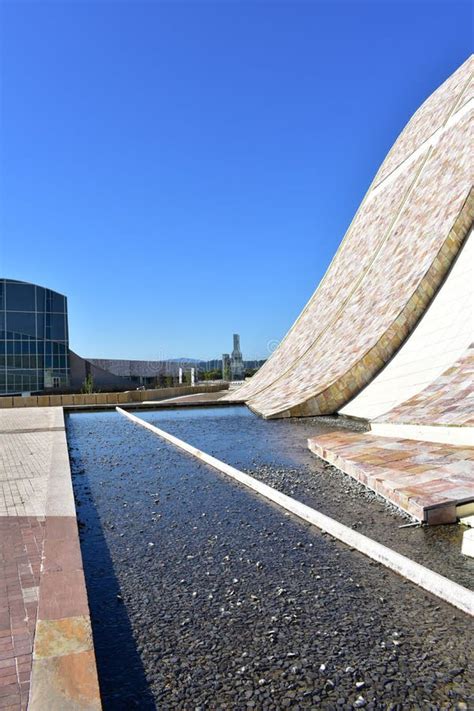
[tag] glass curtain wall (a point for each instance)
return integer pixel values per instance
(33, 338)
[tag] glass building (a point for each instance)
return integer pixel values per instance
(33, 338)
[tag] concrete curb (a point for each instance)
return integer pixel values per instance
(434, 583)
(155, 405)
(64, 671)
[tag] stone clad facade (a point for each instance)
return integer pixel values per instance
(443, 402)
(394, 257)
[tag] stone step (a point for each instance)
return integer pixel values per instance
(428, 480)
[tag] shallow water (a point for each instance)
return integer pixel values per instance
(236, 605)
(276, 451)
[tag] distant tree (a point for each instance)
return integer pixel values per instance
(88, 385)
(211, 375)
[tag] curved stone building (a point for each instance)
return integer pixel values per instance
(33, 338)
(397, 252)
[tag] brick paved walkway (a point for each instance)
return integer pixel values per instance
(45, 636)
(21, 542)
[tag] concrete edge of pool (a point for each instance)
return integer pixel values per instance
(432, 582)
(64, 673)
(47, 644)
(158, 405)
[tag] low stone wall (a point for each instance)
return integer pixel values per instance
(107, 398)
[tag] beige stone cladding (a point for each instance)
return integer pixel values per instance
(396, 253)
(442, 336)
(431, 116)
(364, 238)
(448, 401)
(393, 293)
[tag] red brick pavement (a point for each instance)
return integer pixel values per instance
(21, 543)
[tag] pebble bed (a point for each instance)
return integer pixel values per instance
(203, 596)
(276, 452)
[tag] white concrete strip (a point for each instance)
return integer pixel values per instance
(434, 583)
(468, 543)
(460, 436)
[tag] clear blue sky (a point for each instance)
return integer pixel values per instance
(185, 170)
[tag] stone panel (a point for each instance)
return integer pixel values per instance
(448, 401)
(394, 292)
(431, 116)
(390, 265)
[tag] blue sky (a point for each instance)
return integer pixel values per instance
(184, 170)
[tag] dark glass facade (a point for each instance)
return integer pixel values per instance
(33, 338)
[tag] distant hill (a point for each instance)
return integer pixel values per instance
(184, 360)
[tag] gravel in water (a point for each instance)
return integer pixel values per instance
(203, 596)
(276, 452)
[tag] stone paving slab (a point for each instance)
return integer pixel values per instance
(24, 464)
(24, 420)
(425, 479)
(46, 652)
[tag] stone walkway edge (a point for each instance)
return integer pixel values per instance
(51, 648)
(64, 673)
(432, 582)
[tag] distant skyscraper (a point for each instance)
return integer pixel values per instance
(236, 362)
